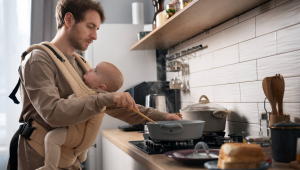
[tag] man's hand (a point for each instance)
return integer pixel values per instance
(124, 100)
(172, 117)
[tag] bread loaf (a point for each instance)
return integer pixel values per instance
(240, 156)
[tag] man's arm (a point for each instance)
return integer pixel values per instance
(134, 118)
(38, 77)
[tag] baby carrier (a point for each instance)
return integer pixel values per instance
(80, 136)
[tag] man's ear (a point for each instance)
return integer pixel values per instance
(101, 87)
(69, 19)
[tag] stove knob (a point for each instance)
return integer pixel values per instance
(157, 146)
(152, 145)
(147, 142)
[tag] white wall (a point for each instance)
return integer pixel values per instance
(120, 11)
(241, 52)
(113, 44)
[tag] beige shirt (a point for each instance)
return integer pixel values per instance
(44, 93)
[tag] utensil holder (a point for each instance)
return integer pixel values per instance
(279, 118)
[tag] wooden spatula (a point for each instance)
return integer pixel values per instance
(278, 87)
(267, 86)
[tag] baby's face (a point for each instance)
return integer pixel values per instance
(92, 78)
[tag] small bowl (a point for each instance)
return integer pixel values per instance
(179, 156)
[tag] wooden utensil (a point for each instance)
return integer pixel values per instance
(146, 117)
(267, 87)
(278, 87)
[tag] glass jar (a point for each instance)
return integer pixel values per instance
(264, 142)
(175, 83)
(184, 3)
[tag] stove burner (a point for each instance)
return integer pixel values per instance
(213, 140)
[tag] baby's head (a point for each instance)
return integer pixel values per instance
(105, 76)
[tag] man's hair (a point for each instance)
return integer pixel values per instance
(78, 8)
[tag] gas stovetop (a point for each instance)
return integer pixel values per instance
(213, 140)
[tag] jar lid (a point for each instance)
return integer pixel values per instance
(257, 139)
(286, 125)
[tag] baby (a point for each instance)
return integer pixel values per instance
(105, 76)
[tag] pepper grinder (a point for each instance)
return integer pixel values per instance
(264, 117)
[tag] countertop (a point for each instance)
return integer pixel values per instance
(154, 162)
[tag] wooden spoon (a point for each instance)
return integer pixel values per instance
(267, 87)
(146, 117)
(278, 87)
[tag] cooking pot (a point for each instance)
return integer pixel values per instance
(176, 130)
(284, 141)
(213, 114)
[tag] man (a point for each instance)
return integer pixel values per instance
(44, 90)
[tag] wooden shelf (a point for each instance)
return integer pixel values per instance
(195, 18)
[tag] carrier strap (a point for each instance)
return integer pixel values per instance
(15, 90)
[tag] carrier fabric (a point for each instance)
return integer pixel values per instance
(80, 136)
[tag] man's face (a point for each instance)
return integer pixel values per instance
(83, 33)
(92, 78)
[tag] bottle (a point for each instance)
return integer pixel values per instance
(298, 150)
(159, 19)
(244, 133)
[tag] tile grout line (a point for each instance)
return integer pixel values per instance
(246, 61)
(247, 39)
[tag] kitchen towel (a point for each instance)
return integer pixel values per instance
(137, 13)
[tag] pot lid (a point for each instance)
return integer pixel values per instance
(286, 125)
(203, 105)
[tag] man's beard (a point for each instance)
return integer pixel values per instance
(75, 38)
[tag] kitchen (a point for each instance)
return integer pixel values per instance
(240, 53)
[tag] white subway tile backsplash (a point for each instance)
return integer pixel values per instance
(239, 33)
(227, 93)
(286, 64)
(236, 73)
(203, 78)
(224, 25)
(252, 92)
(242, 112)
(194, 94)
(293, 109)
(280, 17)
(213, 42)
(259, 47)
(263, 8)
(237, 128)
(288, 39)
(226, 56)
(200, 63)
(261, 107)
(241, 52)
(292, 92)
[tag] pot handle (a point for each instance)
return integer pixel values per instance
(203, 101)
(171, 129)
(221, 113)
